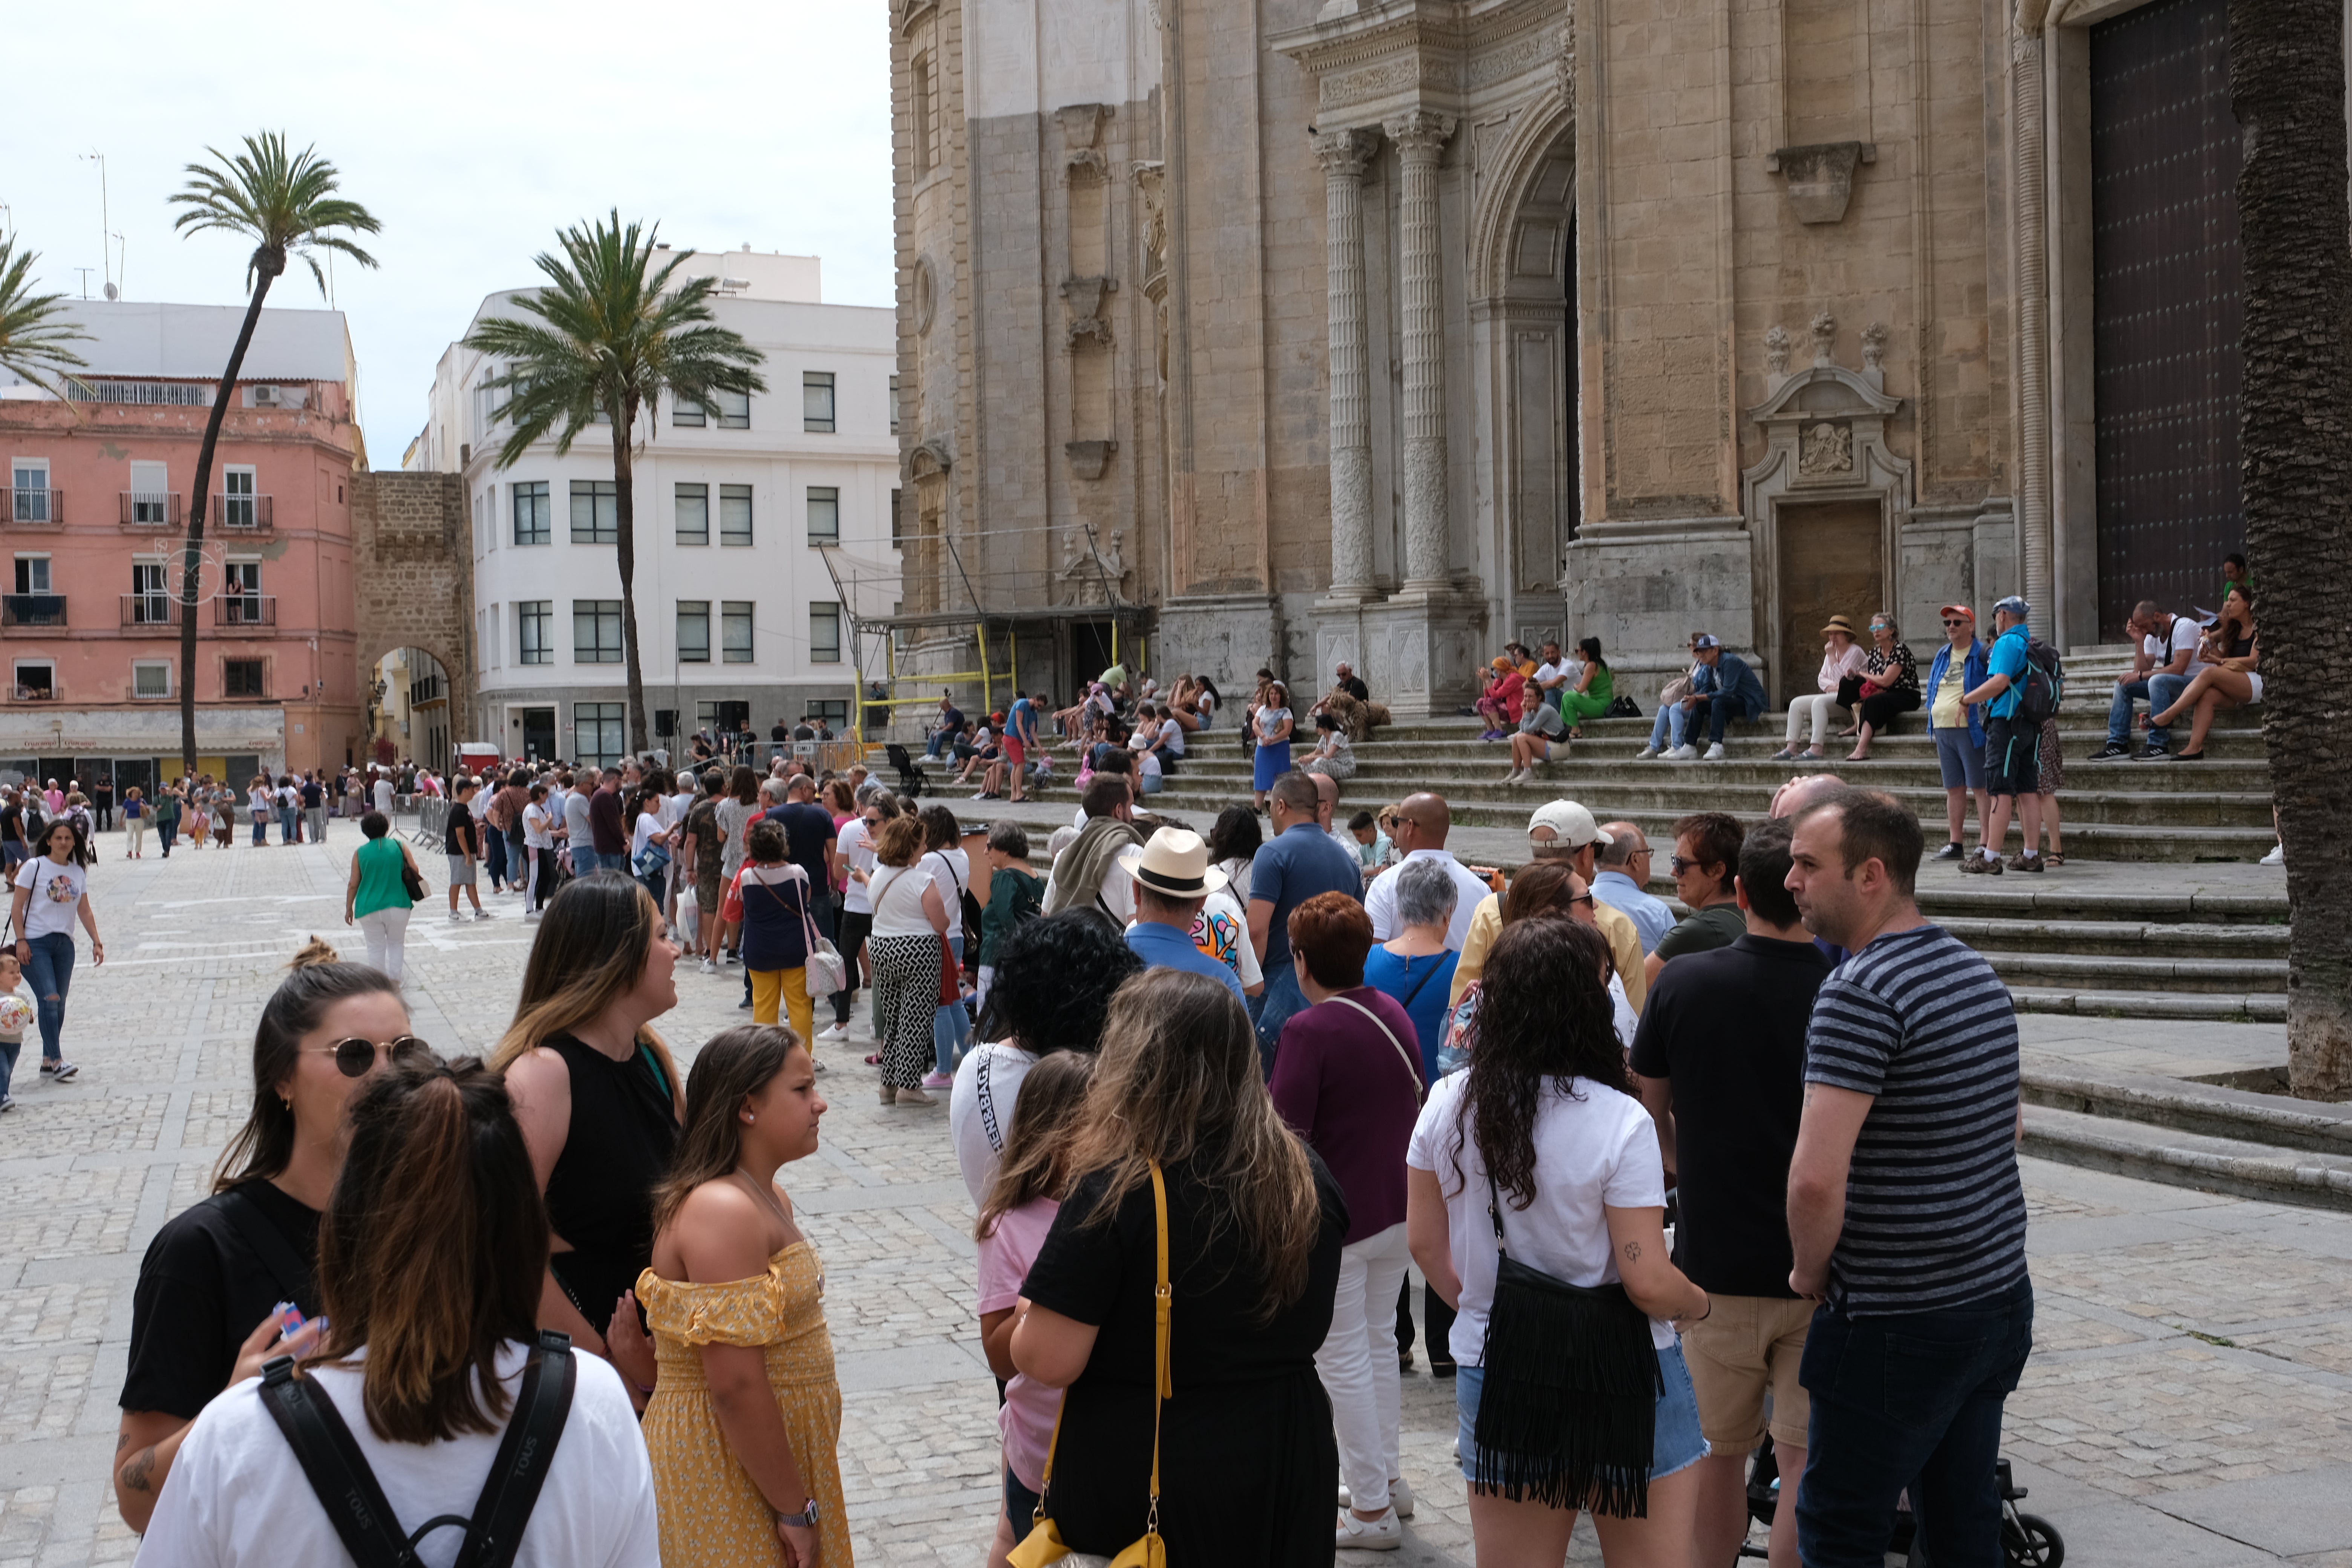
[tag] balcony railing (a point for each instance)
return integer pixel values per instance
(32, 609)
(245, 513)
(161, 609)
(246, 610)
(32, 693)
(37, 507)
(150, 508)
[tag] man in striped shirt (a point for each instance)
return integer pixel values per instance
(1906, 1213)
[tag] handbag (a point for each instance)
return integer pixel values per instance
(823, 970)
(412, 880)
(1044, 1544)
(1624, 707)
(1569, 1412)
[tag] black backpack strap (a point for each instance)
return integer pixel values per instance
(525, 1453)
(337, 1470)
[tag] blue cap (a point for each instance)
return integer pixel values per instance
(2013, 605)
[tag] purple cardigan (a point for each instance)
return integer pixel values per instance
(1354, 1096)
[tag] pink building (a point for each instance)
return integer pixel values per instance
(95, 516)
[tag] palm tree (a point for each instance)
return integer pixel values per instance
(286, 204)
(2286, 86)
(609, 335)
(32, 341)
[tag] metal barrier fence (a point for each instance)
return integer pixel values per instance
(432, 817)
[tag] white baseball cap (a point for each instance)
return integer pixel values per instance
(1570, 824)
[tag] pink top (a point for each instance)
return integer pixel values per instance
(1027, 1421)
(1836, 667)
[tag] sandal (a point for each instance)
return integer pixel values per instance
(1785, 754)
(2055, 857)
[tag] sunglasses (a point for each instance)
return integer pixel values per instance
(1581, 898)
(1954, 621)
(355, 1058)
(1681, 865)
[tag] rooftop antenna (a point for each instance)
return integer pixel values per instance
(85, 281)
(122, 268)
(105, 218)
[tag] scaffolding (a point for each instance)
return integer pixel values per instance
(979, 605)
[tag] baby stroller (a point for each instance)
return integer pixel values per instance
(2027, 1539)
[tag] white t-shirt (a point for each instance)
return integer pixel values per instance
(1600, 1150)
(897, 895)
(980, 1110)
(1147, 765)
(1547, 673)
(1380, 898)
(1171, 737)
(2162, 649)
(1221, 931)
(950, 879)
(647, 824)
(537, 826)
(384, 796)
(56, 898)
(238, 1495)
(852, 849)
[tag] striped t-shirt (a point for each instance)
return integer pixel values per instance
(1934, 1214)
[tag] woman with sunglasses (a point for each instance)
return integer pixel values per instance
(204, 1315)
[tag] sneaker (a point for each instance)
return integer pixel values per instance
(744, 1005)
(2023, 862)
(836, 1032)
(1683, 754)
(2151, 752)
(1951, 851)
(915, 1096)
(63, 1071)
(1399, 1498)
(6, 1103)
(2277, 857)
(1982, 864)
(456, 918)
(486, 914)
(983, 795)
(1381, 1534)
(2110, 752)
(708, 967)
(1645, 754)
(1715, 752)
(529, 916)
(817, 1066)
(938, 1081)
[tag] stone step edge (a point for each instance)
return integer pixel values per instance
(2201, 1005)
(2203, 1109)
(2225, 1165)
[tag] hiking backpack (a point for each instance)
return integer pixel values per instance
(2042, 687)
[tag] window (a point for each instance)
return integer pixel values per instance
(824, 634)
(833, 710)
(684, 411)
(150, 678)
(596, 631)
(734, 410)
(596, 737)
(535, 626)
(894, 405)
(816, 401)
(532, 515)
(150, 500)
(237, 502)
(37, 680)
(897, 524)
(824, 514)
(694, 631)
(694, 514)
(919, 95)
(241, 677)
(735, 630)
(734, 514)
(32, 501)
(32, 574)
(596, 512)
(151, 594)
(487, 401)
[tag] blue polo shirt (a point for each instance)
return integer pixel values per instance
(2008, 658)
(1165, 947)
(1292, 868)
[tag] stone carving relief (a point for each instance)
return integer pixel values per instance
(1150, 185)
(1776, 349)
(925, 288)
(1094, 571)
(1873, 346)
(1823, 328)
(1826, 448)
(1820, 177)
(1564, 66)
(1084, 296)
(1081, 130)
(1088, 458)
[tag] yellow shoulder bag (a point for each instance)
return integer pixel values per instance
(1044, 1546)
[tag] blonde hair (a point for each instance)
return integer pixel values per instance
(592, 947)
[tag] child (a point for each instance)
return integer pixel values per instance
(1013, 1221)
(1371, 844)
(14, 1014)
(1015, 893)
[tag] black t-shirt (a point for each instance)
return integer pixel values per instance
(312, 795)
(951, 718)
(458, 836)
(808, 828)
(780, 733)
(1738, 1093)
(1354, 687)
(804, 731)
(203, 1287)
(12, 823)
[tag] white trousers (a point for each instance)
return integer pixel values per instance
(1358, 1364)
(1821, 705)
(387, 932)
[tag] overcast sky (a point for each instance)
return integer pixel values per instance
(472, 131)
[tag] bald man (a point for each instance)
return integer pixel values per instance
(1623, 882)
(1792, 798)
(1423, 823)
(1559, 830)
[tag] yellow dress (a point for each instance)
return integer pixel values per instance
(712, 1516)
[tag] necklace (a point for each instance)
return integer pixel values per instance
(767, 1197)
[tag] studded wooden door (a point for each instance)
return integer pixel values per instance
(2165, 312)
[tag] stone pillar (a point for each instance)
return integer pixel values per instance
(1420, 136)
(1343, 154)
(2031, 237)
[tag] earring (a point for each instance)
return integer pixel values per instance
(749, 1117)
(287, 1100)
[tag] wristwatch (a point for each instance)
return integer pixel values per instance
(806, 1516)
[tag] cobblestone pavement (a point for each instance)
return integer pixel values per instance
(2187, 1402)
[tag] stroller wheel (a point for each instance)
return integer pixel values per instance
(2029, 1540)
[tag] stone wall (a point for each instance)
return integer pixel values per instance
(413, 572)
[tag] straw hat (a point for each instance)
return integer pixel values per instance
(1840, 624)
(1174, 863)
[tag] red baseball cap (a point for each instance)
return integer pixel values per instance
(1958, 610)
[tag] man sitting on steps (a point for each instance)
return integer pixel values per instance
(1722, 686)
(2161, 668)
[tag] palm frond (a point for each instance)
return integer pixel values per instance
(284, 202)
(32, 336)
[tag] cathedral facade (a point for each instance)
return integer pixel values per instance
(1385, 331)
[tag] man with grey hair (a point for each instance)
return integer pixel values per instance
(1624, 867)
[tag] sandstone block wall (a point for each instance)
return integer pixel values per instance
(413, 577)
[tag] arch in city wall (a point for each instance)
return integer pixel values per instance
(412, 578)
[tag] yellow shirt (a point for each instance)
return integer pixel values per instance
(1624, 950)
(1947, 713)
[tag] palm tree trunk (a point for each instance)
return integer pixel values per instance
(2286, 86)
(192, 558)
(626, 532)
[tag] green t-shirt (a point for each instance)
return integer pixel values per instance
(1013, 897)
(1717, 925)
(379, 884)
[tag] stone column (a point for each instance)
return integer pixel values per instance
(1420, 136)
(2030, 236)
(1343, 154)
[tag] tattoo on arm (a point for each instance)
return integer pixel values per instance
(142, 1466)
(1632, 1249)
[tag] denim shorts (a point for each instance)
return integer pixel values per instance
(1677, 1446)
(1961, 759)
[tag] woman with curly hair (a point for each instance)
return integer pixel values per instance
(1247, 1464)
(1542, 1149)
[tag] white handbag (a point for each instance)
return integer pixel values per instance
(824, 971)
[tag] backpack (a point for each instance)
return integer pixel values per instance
(2044, 687)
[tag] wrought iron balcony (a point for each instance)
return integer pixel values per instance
(37, 509)
(150, 508)
(32, 609)
(246, 513)
(246, 610)
(32, 693)
(154, 609)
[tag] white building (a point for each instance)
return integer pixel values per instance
(739, 621)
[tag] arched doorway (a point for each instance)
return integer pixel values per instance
(410, 716)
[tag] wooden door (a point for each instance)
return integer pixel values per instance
(1831, 563)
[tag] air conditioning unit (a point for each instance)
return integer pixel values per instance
(265, 398)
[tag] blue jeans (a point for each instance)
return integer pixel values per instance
(1661, 728)
(1909, 1400)
(289, 826)
(494, 851)
(51, 968)
(167, 828)
(1719, 710)
(938, 738)
(950, 1025)
(2159, 691)
(585, 860)
(8, 1049)
(1273, 1007)
(260, 831)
